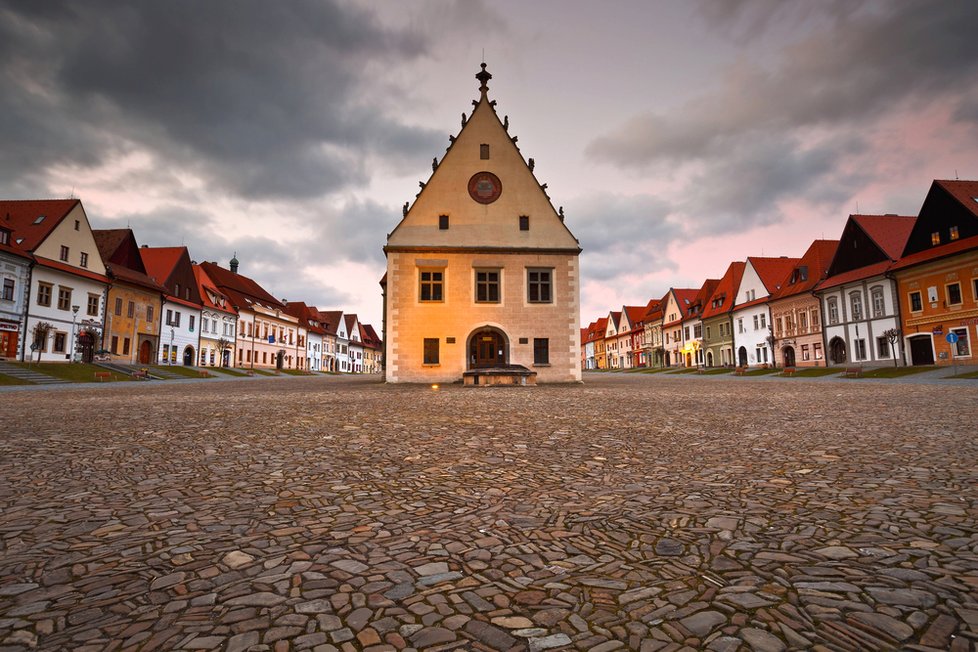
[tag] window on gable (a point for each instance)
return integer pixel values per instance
(63, 254)
(484, 152)
(443, 222)
(953, 233)
(77, 225)
(935, 238)
(84, 259)
(524, 222)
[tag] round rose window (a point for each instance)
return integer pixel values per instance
(485, 187)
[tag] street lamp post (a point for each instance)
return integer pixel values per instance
(170, 357)
(74, 345)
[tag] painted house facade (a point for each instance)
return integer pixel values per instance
(653, 353)
(171, 267)
(858, 297)
(692, 350)
(937, 277)
(481, 270)
(218, 323)
(753, 338)
(677, 303)
(68, 283)
(796, 313)
(15, 279)
(132, 317)
(718, 340)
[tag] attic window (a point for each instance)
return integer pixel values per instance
(40, 218)
(524, 222)
(935, 238)
(954, 235)
(77, 225)
(803, 272)
(484, 152)
(443, 222)
(4, 236)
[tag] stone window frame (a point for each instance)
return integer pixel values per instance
(64, 297)
(488, 284)
(44, 293)
(947, 293)
(540, 284)
(92, 305)
(920, 301)
(877, 300)
(430, 352)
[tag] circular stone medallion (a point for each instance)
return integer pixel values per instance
(485, 187)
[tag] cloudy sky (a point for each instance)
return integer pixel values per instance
(678, 136)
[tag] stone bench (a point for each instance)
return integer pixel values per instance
(853, 372)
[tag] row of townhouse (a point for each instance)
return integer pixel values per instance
(68, 288)
(891, 290)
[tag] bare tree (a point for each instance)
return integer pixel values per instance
(40, 334)
(892, 336)
(223, 345)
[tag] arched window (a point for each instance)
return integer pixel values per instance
(832, 307)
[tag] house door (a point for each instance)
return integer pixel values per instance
(742, 352)
(86, 344)
(145, 352)
(789, 356)
(188, 356)
(487, 348)
(921, 350)
(837, 350)
(8, 344)
(279, 359)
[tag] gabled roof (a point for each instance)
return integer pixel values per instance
(811, 269)
(889, 232)
(772, 271)
(370, 337)
(305, 315)
(964, 191)
(699, 302)
(122, 258)
(632, 315)
(242, 290)
(160, 262)
(725, 292)
(331, 320)
(614, 317)
(206, 287)
(936, 253)
(23, 218)
(653, 310)
(351, 323)
(597, 329)
(684, 298)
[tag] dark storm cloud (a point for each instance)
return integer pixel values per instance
(831, 85)
(261, 99)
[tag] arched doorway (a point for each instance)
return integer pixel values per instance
(921, 350)
(742, 354)
(86, 344)
(709, 358)
(837, 350)
(145, 352)
(788, 354)
(487, 348)
(188, 356)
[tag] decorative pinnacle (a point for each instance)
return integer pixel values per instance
(484, 76)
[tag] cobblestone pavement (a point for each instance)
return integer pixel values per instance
(628, 513)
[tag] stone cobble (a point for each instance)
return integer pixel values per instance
(628, 513)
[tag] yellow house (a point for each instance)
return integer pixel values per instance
(481, 271)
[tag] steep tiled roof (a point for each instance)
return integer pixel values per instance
(965, 192)
(597, 328)
(241, 289)
(634, 315)
(206, 286)
(351, 321)
(21, 218)
(370, 337)
(684, 299)
(331, 320)
(811, 269)
(889, 232)
(699, 302)
(110, 246)
(935, 253)
(772, 271)
(725, 293)
(160, 261)
(653, 310)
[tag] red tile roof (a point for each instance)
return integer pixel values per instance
(653, 310)
(19, 216)
(889, 232)
(702, 296)
(119, 265)
(816, 261)
(71, 269)
(854, 275)
(772, 271)
(726, 290)
(206, 286)
(370, 337)
(242, 290)
(160, 261)
(331, 320)
(965, 192)
(684, 298)
(935, 253)
(351, 321)
(634, 314)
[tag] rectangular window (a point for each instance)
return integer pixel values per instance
(176, 318)
(953, 233)
(169, 317)
(974, 289)
(118, 306)
(524, 222)
(740, 324)
(539, 285)
(708, 331)
(93, 301)
(443, 222)
(916, 302)
(4, 236)
(63, 255)
(803, 322)
(756, 326)
(484, 152)
(805, 353)
(817, 350)
(125, 346)
(961, 348)
(60, 340)
(763, 320)
(432, 285)
(166, 351)
(778, 327)
(860, 349)
(879, 306)
(882, 348)
(84, 259)
(487, 286)
(856, 304)
(115, 344)
(954, 294)
(191, 323)
(431, 350)
(541, 350)
(935, 238)
(131, 309)
(64, 298)
(698, 330)
(8, 289)
(149, 314)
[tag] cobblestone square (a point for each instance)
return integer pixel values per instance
(632, 512)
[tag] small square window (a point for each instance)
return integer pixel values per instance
(484, 152)
(524, 222)
(443, 222)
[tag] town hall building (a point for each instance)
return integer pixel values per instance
(482, 273)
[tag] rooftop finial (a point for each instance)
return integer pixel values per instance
(483, 78)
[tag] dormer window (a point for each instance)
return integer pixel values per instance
(803, 272)
(39, 219)
(4, 236)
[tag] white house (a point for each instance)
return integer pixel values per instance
(752, 331)
(859, 300)
(218, 323)
(67, 283)
(15, 275)
(356, 347)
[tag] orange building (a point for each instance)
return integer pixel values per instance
(937, 277)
